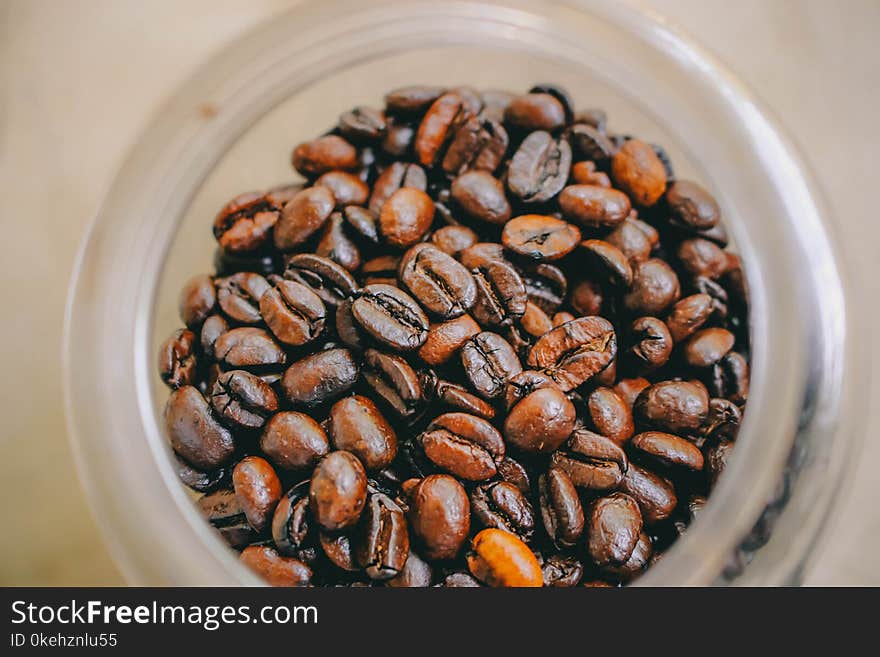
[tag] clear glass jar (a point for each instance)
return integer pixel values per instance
(230, 129)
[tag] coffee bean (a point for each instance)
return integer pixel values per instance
(302, 217)
(592, 461)
(615, 526)
(541, 420)
(405, 217)
(495, 101)
(382, 547)
(440, 283)
(446, 338)
(637, 562)
(481, 197)
(459, 580)
(723, 419)
(479, 144)
(585, 173)
(293, 441)
(438, 126)
(545, 284)
(338, 491)
(357, 426)
(692, 205)
(198, 480)
(708, 346)
(320, 377)
(539, 168)
(329, 153)
(243, 399)
(197, 300)
(676, 406)
(453, 239)
(559, 93)
(416, 573)
(489, 361)
(399, 138)
(362, 124)
(594, 207)
(248, 348)
(503, 506)
(336, 245)
(638, 171)
(275, 569)
(222, 508)
(591, 143)
(258, 490)
(654, 494)
(610, 414)
(439, 516)
(535, 111)
(464, 445)
(634, 238)
(561, 509)
(239, 296)
(212, 328)
(177, 359)
(576, 351)
(559, 571)
(651, 344)
(458, 398)
(292, 521)
(195, 432)
(716, 460)
(701, 257)
(535, 321)
(608, 262)
(397, 176)
(393, 381)
(540, 237)
(331, 282)
(412, 100)
(391, 317)
(668, 449)
(245, 223)
(498, 558)
(501, 295)
(293, 312)
(688, 315)
(363, 223)
(729, 378)
(654, 288)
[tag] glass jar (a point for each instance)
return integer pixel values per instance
(230, 129)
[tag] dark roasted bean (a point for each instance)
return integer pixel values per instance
(197, 300)
(692, 205)
(676, 406)
(540, 237)
(291, 522)
(654, 494)
(248, 348)
(561, 571)
(610, 414)
(500, 294)
(195, 432)
(326, 278)
(416, 573)
(405, 217)
(489, 361)
(614, 528)
(609, 262)
(591, 143)
(592, 461)
(302, 217)
(638, 171)
(576, 351)
(481, 197)
(321, 377)
(498, 558)
(258, 490)
(357, 426)
(382, 547)
(362, 124)
(541, 420)
(275, 569)
(293, 441)
(729, 378)
(439, 515)
(293, 312)
(338, 491)
(438, 126)
(446, 338)
(688, 315)
(464, 445)
(364, 223)
(535, 111)
(651, 343)
(177, 359)
(655, 288)
(457, 397)
(440, 283)
(503, 506)
(668, 449)
(708, 346)
(539, 168)
(412, 100)
(245, 223)
(561, 508)
(594, 207)
(397, 176)
(453, 239)
(239, 296)
(243, 399)
(391, 317)
(393, 381)
(328, 153)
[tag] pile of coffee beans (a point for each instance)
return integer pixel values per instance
(487, 342)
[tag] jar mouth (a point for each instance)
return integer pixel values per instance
(805, 376)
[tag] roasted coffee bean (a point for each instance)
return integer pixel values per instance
(708, 346)
(457, 397)
(222, 508)
(177, 359)
(559, 93)
(495, 101)
(248, 348)
(357, 426)
(391, 317)
(479, 144)
(561, 571)
(338, 491)
(608, 262)
(561, 508)
(416, 573)
(362, 124)
(498, 558)
(245, 223)
(540, 237)
(481, 197)
(226, 263)
(440, 283)
(561, 318)
(292, 521)
(592, 461)
(576, 351)
(195, 432)
(638, 171)
(716, 292)
(382, 547)
(405, 217)
(336, 245)
(723, 419)
(545, 284)
(364, 223)
(654, 494)
(676, 406)
(412, 100)
(651, 344)
(630, 389)
(636, 563)
(394, 382)
(688, 315)
(397, 176)
(610, 415)
(535, 111)
(275, 569)
(258, 490)
(239, 296)
(446, 338)
(692, 205)
(591, 143)
(464, 445)
(338, 549)
(438, 126)
(439, 516)
(541, 420)
(614, 528)
(501, 295)
(701, 257)
(382, 269)
(302, 217)
(212, 328)
(453, 239)
(489, 361)
(243, 399)
(328, 153)
(198, 480)
(654, 288)
(197, 300)
(729, 378)
(399, 138)
(594, 207)
(293, 441)
(716, 459)
(634, 238)
(668, 449)
(503, 506)
(293, 312)
(320, 377)
(585, 173)
(328, 280)
(539, 168)
(586, 298)
(535, 321)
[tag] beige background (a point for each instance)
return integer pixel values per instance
(79, 78)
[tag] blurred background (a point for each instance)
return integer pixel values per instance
(78, 79)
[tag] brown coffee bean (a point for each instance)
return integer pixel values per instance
(591, 143)
(245, 223)
(459, 580)
(439, 516)
(592, 461)
(292, 522)
(692, 205)
(615, 526)
(312, 158)
(396, 176)
(194, 431)
(412, 100)
(382, 547)
(446, 338)
(338, 491)
(293, 312)
(302, 217)
(654, 494)
(538, 111)
(362, 124)
(498, 558)
(502, 505)
(535, 321)
(630, 389)
(391, 317)
(716, 460)
(668, 449)
(501, 295)
(222, 509)
(416, 573)
(638, 171)
(457, 397)
(561, 508)
(655, 288)
(723, 419)
(293, 441)
(363, 222)
(239, 296)
(708, 346)
(676, 406)
(197, 300)
(481, 196)
(393, 381)
(574, 352)
(559, 571)
(357, 426)
(729, 378)
(453, 239)
(539, 168)
(586, 298)
(608, 262)
(479, 144)
(275, 569)
(633, 240)
(327, 279)
(258, 490)
(540, 237)
(541, 421)
(464, 445)
(177, 359)
(243, 399)
(406, 216)
(212, 328)
(320, 377)
(489, 361)
(438, 126)
(701, 257)
(584, 173)
(651, 344)
(347, 188)
(688, 315)
(440, 283)
(637, 562)
(248, 348)
(610, 414)
(594, 207)
(336, 245)
(480, 254)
